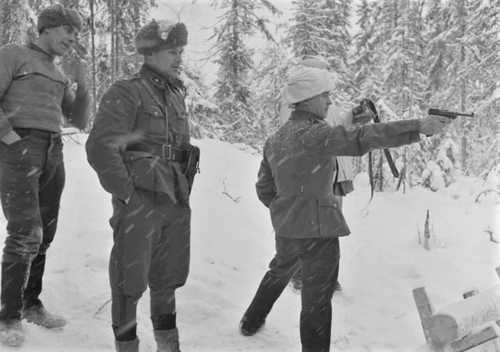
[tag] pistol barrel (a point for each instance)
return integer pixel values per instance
(449, 114)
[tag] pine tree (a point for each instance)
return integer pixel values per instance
(335, 35)
(14, 21)
(363, 55)
(336, 44)
(200, 107)
(305, 32)
(239, 21)
(483, 42)
(268, 80)
(320, 28)
(435, 50)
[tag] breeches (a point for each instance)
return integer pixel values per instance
(151, 248)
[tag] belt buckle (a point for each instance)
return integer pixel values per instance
(166, 150)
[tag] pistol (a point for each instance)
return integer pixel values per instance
(449, 114)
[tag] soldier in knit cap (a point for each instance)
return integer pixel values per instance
(295, 181)
(34, 97)
(140, 148)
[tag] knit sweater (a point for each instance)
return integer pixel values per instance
(34, 93)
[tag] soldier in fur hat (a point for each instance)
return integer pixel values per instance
(34, 97)
(140, 148)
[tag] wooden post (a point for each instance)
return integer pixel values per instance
(427, 233)
(471, 341)
(425, 310)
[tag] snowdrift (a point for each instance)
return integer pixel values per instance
(232, 243)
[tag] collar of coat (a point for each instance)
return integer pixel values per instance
(35, 47)
(159, 80)
(302, 115)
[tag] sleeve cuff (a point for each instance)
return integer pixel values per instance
(126, 193)
(5, 128)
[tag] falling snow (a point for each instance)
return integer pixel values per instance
(232, 243)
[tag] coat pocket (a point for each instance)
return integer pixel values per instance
(156, 120)
(330, 218)
(152, 174)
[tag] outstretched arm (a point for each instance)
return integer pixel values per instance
(358, 141)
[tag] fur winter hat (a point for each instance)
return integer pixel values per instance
(306, 82)
(57, 15)
(159, 35)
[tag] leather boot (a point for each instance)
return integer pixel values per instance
(255, 316)
(38, 315)
(33, 309)
(127, 346)
(167, 340)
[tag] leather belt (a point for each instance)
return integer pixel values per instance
(23, 132)
(165, 151)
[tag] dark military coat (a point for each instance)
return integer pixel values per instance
(297, 171)
(129, 114)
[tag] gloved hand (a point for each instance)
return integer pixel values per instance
(364, 112)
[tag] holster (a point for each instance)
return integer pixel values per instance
(192, 164)
(343, 188)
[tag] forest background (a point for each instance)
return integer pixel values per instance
(405, 55)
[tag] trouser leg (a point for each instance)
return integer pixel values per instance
(319, 260)
(297, 276)
(169, 271)
(134, 225)
(124, 320)
(13, 280)
(281, 268)
(51, 187)
(20, 168)
(170, 257)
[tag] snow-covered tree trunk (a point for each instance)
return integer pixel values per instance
(14, 21)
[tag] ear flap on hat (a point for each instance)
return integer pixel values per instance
(177, 36)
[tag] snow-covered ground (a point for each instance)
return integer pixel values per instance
(232, 243)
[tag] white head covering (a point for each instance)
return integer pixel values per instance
(335, 116)
(309, 78)
(306, 82)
